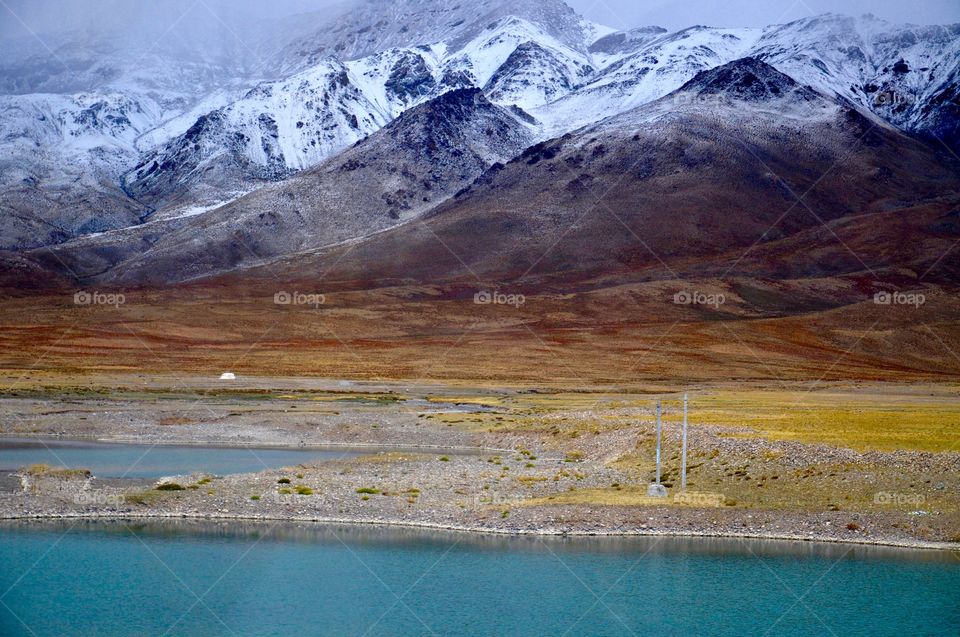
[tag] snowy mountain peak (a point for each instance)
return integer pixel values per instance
(377, 25)
(626, 41)
(168, 137)
(747, 79)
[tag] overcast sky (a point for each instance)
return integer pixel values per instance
(677, 14)
(42, 15)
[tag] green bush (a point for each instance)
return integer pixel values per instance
(170, 486)
(283, 481)
(302, 490)
(369, 490)
(146, 498)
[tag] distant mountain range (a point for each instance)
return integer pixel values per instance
(491, 126)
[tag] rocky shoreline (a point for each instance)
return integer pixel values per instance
(485, 530)
(427, 465)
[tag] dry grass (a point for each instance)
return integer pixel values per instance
(46, 471)
(857, 419)
(876, 417)
(622, 336)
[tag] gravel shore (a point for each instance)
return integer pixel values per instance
(421, 471)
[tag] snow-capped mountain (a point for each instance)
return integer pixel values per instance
(688, 183)
(396, 174)
(648, 66)
(273, 131)
(61, 157)
(377, 25)
(906, 75)
(279, 128)
(157, 136)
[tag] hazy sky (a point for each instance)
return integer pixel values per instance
(677, 14)
(42, 15)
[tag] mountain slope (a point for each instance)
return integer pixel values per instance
(273, 131)
(280, 128)
(660, 64)
(378, 25)
(60, 163)
(393, 176)
(152, 139)
(706, 171)
(905, 74)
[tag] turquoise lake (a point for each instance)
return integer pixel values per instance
(217, 579)
(110, 460)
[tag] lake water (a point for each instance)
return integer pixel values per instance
(109, 460)
(216, 579)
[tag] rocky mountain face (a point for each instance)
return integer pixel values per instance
(133, 141)
(393, 176)
(270, 133)
(60, 162)
(279, 128)
(906, 75)
(689, 183)
(372, 26)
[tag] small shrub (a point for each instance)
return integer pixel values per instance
(284, 491)
(170, 486)
(204, 481)
(853, 526)
(444, 459)
(254, 497)
(299, 476)
(366, 497)
(141, 497)
(302, 490)
(283, 481)
(39, 470)
(368, 490)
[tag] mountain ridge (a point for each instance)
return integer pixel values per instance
(140, 158)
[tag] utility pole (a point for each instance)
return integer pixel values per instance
(658, 442)
(683, 455)
(655, 489)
